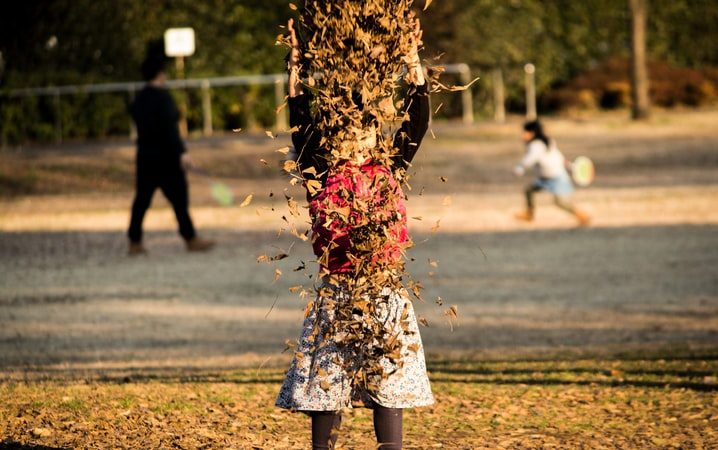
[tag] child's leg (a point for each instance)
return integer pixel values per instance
(529, 192)
(563, 203)
(324, 429)
(388, 424)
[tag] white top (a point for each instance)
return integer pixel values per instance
(549, 161)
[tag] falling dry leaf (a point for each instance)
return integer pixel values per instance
(289, 166)
(247, 200)
(279, 257)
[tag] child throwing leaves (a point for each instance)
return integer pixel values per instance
(359, 346)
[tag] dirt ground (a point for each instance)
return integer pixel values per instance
(641, 279)
(579, 404)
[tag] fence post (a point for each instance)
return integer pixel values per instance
(279, 95)
(206, 108)
(499, 96)
(58, 116)
(467, 101)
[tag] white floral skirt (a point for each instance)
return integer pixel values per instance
(316, 380)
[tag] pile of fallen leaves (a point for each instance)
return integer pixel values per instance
(649, 404)
(354, 57)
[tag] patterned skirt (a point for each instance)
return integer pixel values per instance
(317, 381)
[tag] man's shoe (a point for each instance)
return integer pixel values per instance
(136, 248)
(199, 245)
(526, 216)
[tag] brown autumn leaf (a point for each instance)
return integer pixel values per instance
(279, 257)
(289, 165)
(436, 226)
(247, 200)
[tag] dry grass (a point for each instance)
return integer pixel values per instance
(510, 405)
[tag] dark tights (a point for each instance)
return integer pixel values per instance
(325, 427)
(387, 426)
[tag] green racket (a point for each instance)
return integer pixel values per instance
(220, 192)
(583, 171)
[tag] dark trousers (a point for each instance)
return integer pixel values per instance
(170, 178)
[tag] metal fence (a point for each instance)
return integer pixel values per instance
(205, 85)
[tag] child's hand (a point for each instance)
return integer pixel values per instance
(294, 53)
(416, 73)
(295, 82)
(415, 39)
(187, 163)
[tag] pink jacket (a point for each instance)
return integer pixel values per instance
(353, 197)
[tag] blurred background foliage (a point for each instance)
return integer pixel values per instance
(580, 50)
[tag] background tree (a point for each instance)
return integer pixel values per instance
(55, 42)
(639, 69)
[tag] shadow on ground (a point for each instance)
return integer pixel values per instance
(76, 298)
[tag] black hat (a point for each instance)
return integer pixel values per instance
(155, 60)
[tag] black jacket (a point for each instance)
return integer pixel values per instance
(155, 114)
(406, 141)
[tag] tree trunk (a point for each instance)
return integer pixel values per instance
(639, 71)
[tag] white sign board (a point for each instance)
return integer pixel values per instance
(179, 42)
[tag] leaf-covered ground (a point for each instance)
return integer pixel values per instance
(500, 405)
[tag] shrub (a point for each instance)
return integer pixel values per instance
(608, 86)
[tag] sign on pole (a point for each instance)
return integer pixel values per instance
(179, 42)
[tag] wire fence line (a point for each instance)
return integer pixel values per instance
(205, 86)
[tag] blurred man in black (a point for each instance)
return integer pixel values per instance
(161, 157)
